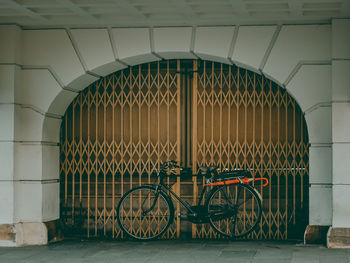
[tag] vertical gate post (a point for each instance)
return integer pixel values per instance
(194, 139)
(178, 139)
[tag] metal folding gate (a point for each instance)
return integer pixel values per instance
(118, 131)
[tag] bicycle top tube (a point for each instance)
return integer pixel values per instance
(172, 194)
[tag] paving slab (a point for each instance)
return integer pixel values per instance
(194, 251)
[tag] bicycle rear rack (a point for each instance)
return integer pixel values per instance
(244, 180)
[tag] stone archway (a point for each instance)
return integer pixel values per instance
(52, 66)
(302, 75)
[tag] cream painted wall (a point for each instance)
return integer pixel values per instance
(41, 71)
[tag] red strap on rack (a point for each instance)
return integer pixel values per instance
(245, 180)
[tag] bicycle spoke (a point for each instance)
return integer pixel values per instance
(143, 213)
(234, 210)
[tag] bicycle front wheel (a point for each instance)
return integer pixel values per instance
(234, 210)
(144, 213)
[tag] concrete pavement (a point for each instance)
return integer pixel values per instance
(174, 251)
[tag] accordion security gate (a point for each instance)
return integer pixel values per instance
(119, 130)
(242, 120)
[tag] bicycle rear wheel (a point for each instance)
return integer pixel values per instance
(234, 210)
(143, 213)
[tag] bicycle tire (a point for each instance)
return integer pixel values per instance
(237, 214)
(130, 215)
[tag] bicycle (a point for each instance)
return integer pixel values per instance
(232, 207)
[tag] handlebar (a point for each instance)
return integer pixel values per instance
(175, 169)
(169, 164)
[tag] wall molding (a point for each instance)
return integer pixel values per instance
(305, 63)
(270, 47)
(42, 67)
(33, 108)
(46, 143)
(44, 181)
(233, 42)
(321, 145)
(151, 44)
(76, 49)
(316, 106)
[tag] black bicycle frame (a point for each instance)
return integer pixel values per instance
(182, 202)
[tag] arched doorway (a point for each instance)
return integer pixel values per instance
(116, 133)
